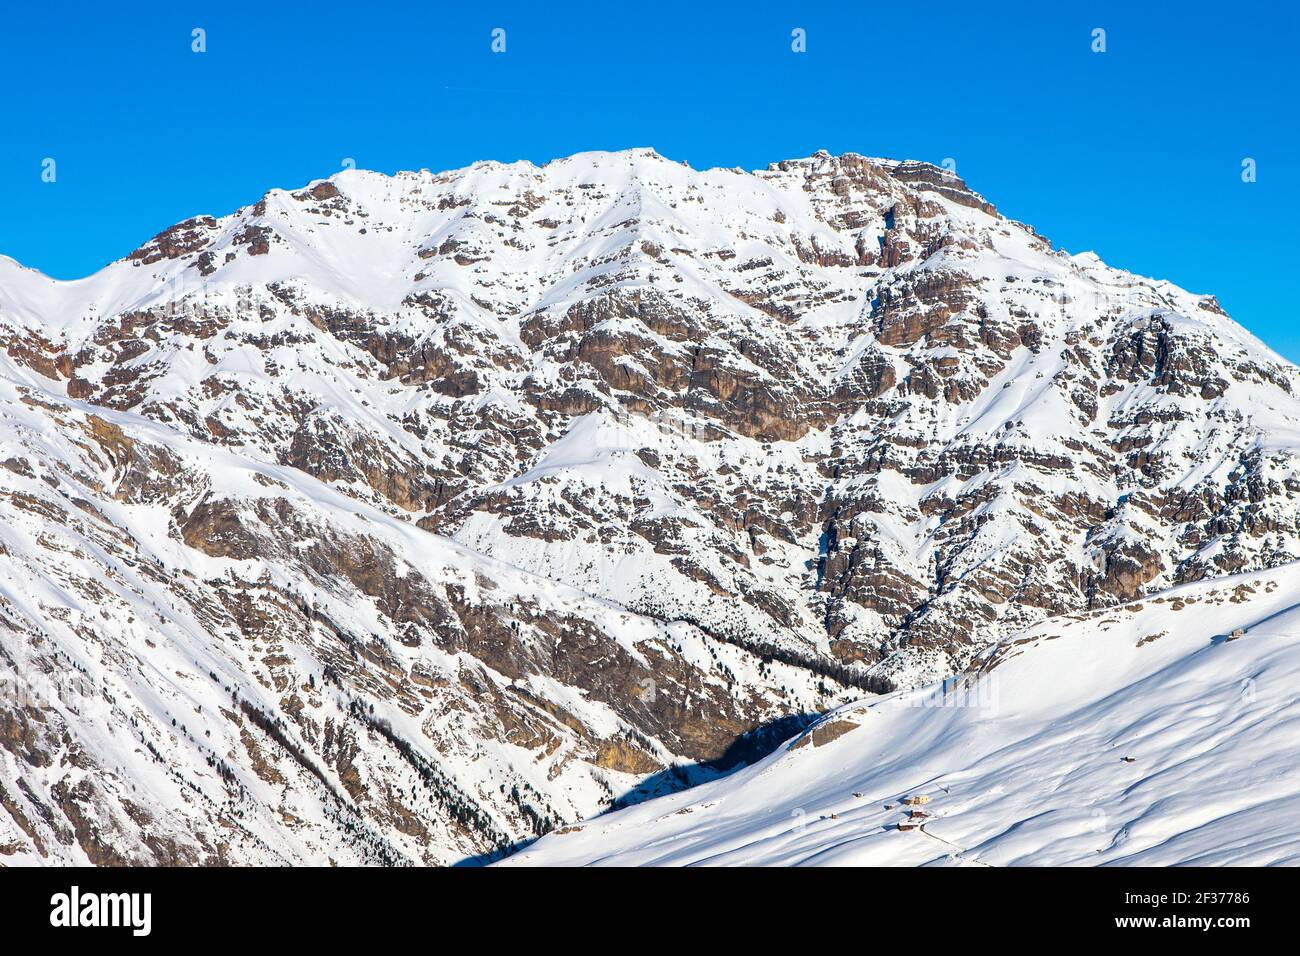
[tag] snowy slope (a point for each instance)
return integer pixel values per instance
(1026, 761)
(208, 658)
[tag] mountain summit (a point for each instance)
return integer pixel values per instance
(403, 519)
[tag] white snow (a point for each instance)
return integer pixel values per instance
(1141, 735)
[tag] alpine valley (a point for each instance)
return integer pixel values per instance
(403, 520)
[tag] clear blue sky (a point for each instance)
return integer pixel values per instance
(1135, 153)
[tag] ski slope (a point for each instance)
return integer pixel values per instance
(1143, 735)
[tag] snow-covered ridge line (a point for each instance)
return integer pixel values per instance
(506, 495)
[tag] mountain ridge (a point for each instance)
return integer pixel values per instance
(499, 495)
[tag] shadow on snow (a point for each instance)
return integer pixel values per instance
(746, 749)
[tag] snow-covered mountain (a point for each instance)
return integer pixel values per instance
(406, 518)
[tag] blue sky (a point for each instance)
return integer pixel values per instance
(1135, 152)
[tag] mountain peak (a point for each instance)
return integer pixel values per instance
(437, 510)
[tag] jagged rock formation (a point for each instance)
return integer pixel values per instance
(403, 518)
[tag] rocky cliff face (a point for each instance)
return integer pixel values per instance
(403, 518)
